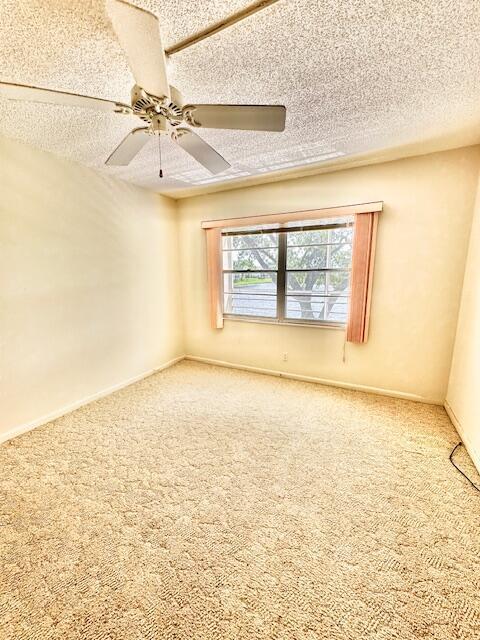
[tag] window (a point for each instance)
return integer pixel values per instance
(313, 266)
(295, 272)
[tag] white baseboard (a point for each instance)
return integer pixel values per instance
(472, 451)
(16, 431)
(331, 383)
(23, 428)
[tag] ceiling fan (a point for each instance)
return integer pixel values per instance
(159, 105)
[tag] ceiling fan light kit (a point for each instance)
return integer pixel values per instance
(159, 105)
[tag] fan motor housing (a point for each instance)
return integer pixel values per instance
(149, 107)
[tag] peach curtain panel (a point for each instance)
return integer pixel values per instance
(366, 217)
(214, 269)
(361, 280)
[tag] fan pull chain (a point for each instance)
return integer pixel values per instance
(160, 172)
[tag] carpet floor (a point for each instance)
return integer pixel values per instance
(213, 504)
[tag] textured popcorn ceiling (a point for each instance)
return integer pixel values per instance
(357, 77)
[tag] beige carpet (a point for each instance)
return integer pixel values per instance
(213, 504)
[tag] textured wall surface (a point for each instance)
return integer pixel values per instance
(267, 509)
(86, 271)
(463, 390)
(422, 243)
(356, 76)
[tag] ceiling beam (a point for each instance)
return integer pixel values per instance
(220, 26)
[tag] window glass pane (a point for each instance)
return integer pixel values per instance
(338, 282)
(250, 305)
(338, 235)
(295, 238)
(253, 283)
(333, 256)
(341, 235)
(337, 311)
(250, 259)
(305, 282)
(340, 256)
(247, 241)
(314, 257)
(317, 308)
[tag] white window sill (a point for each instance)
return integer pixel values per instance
(314, 325)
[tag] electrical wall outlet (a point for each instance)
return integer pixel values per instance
(285, 356)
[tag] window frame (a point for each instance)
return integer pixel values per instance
(282, 271)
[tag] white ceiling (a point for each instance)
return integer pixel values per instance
(357, 76)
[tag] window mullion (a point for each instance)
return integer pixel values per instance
(281, 275)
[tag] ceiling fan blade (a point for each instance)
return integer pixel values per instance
(200, 150)
(138, 32)
(49, 96)
(236, 116)
(128, 147)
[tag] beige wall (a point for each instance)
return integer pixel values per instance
(463, 397)
(422, 242)
(86, 296)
